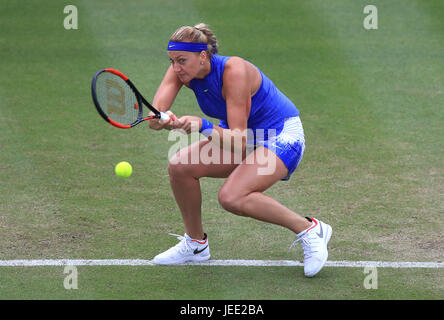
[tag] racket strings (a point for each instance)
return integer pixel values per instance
(117, 99)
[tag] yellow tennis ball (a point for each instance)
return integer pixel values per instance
(123, 169)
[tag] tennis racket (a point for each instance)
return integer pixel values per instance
(118, 101)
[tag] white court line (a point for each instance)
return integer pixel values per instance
(244, 263)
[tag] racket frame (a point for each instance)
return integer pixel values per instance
(140, 99)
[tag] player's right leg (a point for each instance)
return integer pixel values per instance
(185, 169)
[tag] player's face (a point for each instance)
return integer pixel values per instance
(187, 65)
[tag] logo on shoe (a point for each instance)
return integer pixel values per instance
(199, 251)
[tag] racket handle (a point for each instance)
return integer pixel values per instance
(164, 116)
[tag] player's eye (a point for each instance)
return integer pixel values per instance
(180, 61)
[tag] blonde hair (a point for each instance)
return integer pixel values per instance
(200, 33)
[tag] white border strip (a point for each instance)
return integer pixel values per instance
(244, 263)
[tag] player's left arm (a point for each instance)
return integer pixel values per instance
(237, 94)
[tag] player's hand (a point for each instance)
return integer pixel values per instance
(188, 124)
(157, 124)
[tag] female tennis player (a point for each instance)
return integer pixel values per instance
(270, 144)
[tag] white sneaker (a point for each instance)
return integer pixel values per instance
(187, 250)
(314, 241)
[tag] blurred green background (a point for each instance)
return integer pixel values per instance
(371, 102)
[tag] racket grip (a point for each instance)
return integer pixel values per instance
(164, 116)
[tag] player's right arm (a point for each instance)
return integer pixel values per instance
(164, 98)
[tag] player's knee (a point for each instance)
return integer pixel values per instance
(178, 168)
(175, 168)
(230, 201)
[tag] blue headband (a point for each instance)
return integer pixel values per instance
(186, 46)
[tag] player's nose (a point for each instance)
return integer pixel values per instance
(176, 67)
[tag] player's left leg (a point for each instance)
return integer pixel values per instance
(242, 194)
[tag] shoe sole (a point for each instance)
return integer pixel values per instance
(329, 232)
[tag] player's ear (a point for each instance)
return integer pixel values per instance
(203, 56)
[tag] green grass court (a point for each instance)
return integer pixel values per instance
(371, 102)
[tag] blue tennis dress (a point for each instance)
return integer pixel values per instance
(273, 121)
